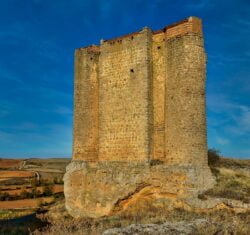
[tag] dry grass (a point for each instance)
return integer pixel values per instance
(233, 180)
(13, 214)
(221, 220)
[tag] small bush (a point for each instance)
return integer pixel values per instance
(55, 180)
(35, 182)
(4, 196)
(202, 197)
(48, 190)
(25, 194)
(155, 162)
(213, 157)
(35, 193)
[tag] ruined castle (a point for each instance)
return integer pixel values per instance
(139, 121)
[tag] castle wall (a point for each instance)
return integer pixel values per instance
(125, 112)
(185, 122)
(85, 144)
(159, 77)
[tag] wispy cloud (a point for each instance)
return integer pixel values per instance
(9, 75)
(225, 59)
(244, 22)
(199, 4)
(40, 141)
(61, 110)
(234, 116)
(222, 141)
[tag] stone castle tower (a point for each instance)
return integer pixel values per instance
(139, 120)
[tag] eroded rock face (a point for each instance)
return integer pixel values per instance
(105, 188)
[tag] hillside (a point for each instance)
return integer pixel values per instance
(231, 217)
(27, 184)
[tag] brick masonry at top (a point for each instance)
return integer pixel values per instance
(140, 97)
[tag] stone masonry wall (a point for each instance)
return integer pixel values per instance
(141, 97)
(159, 80)
(85, 144)
(124, 86)
(185, 103)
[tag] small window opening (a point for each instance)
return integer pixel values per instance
(158, 47)
(131, 70)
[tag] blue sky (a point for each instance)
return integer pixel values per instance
(37, 42)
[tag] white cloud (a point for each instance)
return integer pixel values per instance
(236, 117)
(245, 119)
(244, 22)
(222, 141)
(199, 4)
(61, 110)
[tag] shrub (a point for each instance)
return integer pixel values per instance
(55, 180)
(25, 194)
(35, 193)
(213, 157)
(155, 162)
(47, 190)
(4, 196)
(35, 182)
(202, 197)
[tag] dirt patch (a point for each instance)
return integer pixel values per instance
(9, 163)
(16, 174)
(25, 203)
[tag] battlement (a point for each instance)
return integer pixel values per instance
(190, 25)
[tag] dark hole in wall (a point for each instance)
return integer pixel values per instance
(132, 70)
(132, 37)
(158, 47)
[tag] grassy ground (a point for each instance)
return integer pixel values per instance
(12, 214)
(225, 220)
(233, 179)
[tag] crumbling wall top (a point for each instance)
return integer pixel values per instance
(190, 25)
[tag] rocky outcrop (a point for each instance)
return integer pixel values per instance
(106, 188)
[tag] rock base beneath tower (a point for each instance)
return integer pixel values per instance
(107, 188)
